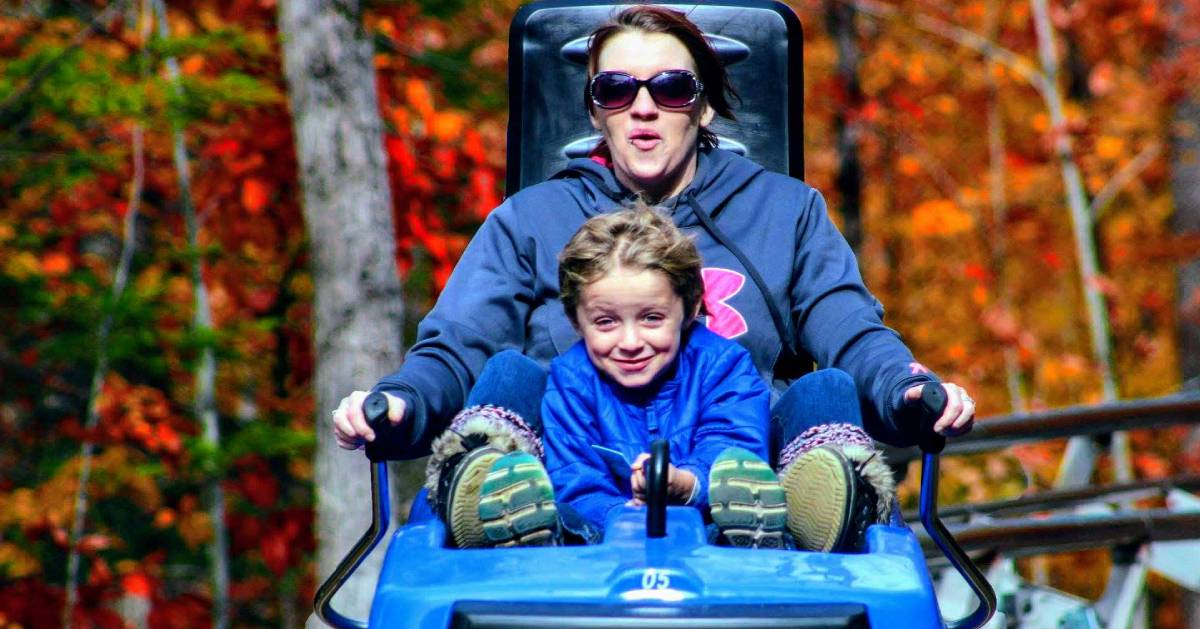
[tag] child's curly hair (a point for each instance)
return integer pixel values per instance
(636, 239)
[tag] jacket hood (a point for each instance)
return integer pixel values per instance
(719, 174)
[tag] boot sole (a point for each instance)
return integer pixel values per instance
(516, 504)
(819, 493)
(463, 514)
(746, 501)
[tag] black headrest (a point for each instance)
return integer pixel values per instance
(759, 40)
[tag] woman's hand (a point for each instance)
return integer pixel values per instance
(680, 483)
(350, 426)
(959, 416)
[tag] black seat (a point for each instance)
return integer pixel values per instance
(760, 41)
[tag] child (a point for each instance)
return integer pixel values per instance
(645, 369)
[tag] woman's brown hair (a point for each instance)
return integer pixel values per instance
(656, 19)
(637, 239)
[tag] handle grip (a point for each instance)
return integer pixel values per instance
(657, 470)
(933, 404)
(375, 408)
(387, 434)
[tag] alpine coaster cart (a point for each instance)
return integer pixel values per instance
(654, 568)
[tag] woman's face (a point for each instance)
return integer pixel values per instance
(653, 147)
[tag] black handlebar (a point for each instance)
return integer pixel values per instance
(933, 401)
(388, 436)
(375, 407)
(657, 470)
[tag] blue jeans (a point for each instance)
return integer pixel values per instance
(514, 381)
(825, 396)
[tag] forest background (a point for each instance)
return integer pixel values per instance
(157, 279)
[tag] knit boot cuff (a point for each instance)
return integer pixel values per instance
(858, 448)
(477, 426)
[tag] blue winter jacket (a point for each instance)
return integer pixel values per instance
(711, 399)
(503, 294)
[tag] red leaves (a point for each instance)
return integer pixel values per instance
(483, 192)
(140, 415)
(222, 147)
(137, 584)
(259, 486)
(1051, 259)
(282, 540)
(275, 554)
(286, 541)
(977, 272)
(255, 194)
(56, 263)
(444, 162)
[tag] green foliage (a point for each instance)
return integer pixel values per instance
(463, 84)
(442, 9)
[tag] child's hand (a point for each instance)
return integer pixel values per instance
(637, 480)
(680, 483)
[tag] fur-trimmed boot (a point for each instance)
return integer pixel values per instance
(468, 468)
(837, 485)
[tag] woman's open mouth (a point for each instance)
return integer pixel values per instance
(644, 139)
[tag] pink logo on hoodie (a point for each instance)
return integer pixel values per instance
(719, 286)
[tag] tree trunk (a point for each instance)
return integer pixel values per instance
(347, 208)
(840, 19)
(1185, 184)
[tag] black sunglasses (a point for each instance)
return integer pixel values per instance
(669, 88)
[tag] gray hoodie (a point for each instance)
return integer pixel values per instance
(503, 294)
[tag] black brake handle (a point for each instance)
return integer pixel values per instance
(387, 434)
(933, 404)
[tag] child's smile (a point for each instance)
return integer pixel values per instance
(631, 323)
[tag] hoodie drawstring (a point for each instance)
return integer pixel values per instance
(790, 363)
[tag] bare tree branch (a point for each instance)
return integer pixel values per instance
(961, 36)
(87, 449)
(204, 403)
(1123, 178)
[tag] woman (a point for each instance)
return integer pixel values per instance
(780, 279)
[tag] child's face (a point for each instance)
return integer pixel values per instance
(631, 323)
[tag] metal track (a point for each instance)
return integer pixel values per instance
(1064, 498)
(1056, 534)
(998, 432)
